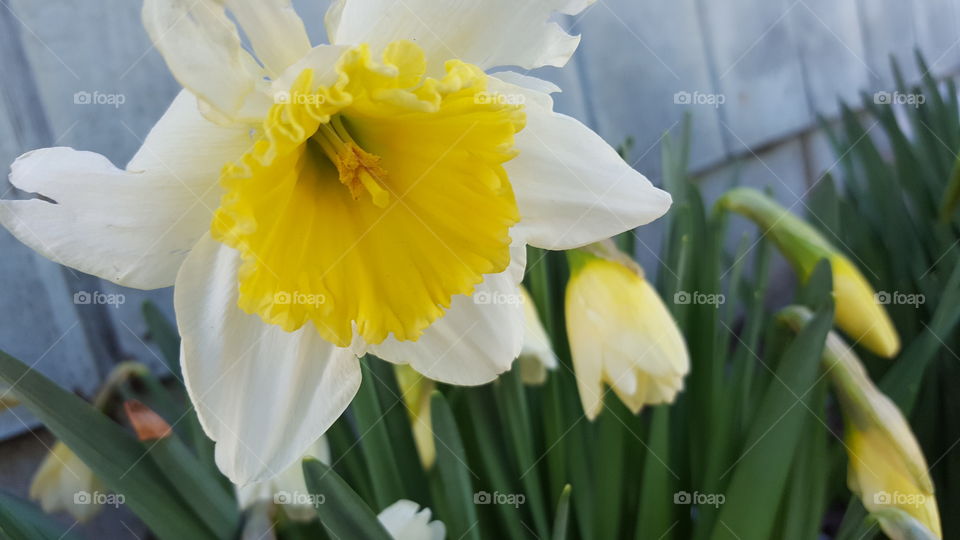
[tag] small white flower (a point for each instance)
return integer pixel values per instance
(404, 520)
(536, 356)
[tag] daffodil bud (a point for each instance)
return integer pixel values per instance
(621, 333)
(858, 313)
(416, 390)
(887, 468)
(537, 355)
(64, 483)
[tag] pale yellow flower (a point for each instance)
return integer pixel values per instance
(621, 333)
(416, 390)
(64, 483)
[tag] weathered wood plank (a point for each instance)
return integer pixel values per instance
(938, 34)
(635, 57)
(40, 325)
(888, 30)
(101, 50)
(755, 59)
(831, 52)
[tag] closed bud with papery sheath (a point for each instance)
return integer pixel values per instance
(859, 314)
(621, 333)
(887, 468)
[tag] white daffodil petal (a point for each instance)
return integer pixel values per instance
(404, 520)
(572, 188)
(202, 48)
(275, 30)
(322, 59)
(477, 339)
(264, 395)
(133, 227)
(489, 34)
(289, 488)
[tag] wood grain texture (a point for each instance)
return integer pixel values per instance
(635, 58)
(758, 69)
(830, 45)
(888, 32)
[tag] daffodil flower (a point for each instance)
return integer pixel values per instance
(64, 483)
(312, 204)
(621, 333)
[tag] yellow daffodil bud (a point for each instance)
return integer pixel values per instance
(416, 390)
(537, 355)
(621, 333)
(63, 483)
(858, 314)
(887, 468)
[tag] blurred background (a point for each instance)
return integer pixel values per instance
(755, 75)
